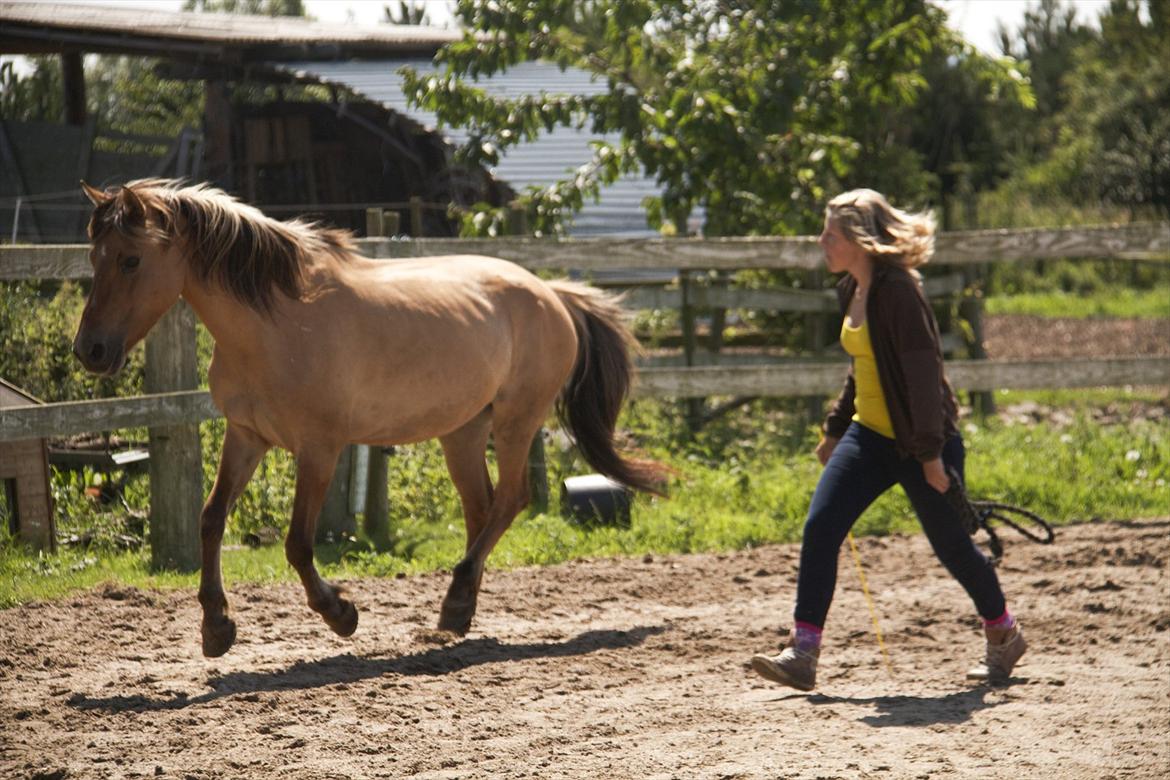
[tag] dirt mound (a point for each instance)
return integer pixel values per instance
(611, 668)
(1025, 337)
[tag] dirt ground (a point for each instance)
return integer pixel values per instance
(612, 669)
(1026, 337)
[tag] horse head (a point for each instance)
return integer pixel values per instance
(138, 273)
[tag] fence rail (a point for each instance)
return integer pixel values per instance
(177, 484)
(793, 378)
(1144, 240)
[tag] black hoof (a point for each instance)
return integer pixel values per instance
(218, 636)
(456, 620)
(346, 621)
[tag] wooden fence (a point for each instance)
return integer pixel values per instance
(174, 406)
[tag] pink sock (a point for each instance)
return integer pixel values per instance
(807, 636)
(1006, 620)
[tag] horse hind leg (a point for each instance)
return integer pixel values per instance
(241, 453)
(314, 473)
(464, 450)
(513, 440)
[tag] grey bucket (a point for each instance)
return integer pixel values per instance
(595, 498)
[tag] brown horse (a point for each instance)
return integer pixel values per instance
(317, 347)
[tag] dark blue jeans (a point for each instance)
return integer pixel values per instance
(863, 466)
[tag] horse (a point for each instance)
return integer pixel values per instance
(318, 347)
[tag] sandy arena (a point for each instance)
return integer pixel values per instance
(611, 669)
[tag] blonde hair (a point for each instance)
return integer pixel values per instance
(888, 234)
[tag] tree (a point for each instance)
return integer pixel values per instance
(36, 97)
(754, 110)
(1108, 130)
(407, 14)
(254, 7)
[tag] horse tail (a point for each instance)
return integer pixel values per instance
(588, 406)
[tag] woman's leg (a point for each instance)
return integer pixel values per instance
(857, 473)
(952, 544)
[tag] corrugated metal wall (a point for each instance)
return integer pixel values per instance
(540, 162)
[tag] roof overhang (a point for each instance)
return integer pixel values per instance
(46, 28)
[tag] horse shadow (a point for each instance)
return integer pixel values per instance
(347, 668)
(952, 708)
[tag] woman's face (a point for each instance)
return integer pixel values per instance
(841, 254)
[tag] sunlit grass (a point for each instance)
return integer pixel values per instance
(1120, 302)
(745, 481)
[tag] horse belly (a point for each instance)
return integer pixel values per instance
(429, 397)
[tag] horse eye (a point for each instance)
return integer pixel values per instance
(130, 263)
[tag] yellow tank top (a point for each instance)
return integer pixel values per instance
(868, 402)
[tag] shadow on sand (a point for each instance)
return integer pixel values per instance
(350, 668)
(955, 707)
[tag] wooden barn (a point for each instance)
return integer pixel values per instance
(25, 499)
(332, 154)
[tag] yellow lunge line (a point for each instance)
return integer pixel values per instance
(877, 629)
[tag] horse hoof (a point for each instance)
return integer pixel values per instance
(346, 624)
(218, 636)
(456, 619)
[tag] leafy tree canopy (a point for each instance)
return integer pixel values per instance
(754, 110)
(1104, 100)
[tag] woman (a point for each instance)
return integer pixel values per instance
(894, 422)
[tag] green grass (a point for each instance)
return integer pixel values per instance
(743, 482)
(1119, 302)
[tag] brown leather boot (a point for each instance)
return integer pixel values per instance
(1004, 648)
(794, 668)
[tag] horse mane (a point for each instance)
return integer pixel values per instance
(230, 244)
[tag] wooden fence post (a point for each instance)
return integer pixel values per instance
(376, 521)
(416, 217)
(693, 406)
(335, 520)
(537, 474)
(971, 309)
(176, 460)
(815, 327)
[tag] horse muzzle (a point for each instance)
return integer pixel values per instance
(104, 356)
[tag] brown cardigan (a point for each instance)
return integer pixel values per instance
(908, 353)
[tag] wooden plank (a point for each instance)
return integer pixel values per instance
(608, 253)
(1058, 373)
(44, 261)
(794, 252)
(731, 298)
(1148, 240)
(792, 378)
(109, 414)
(801, 378)
(1097, 241)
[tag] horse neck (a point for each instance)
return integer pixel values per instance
(234, 325)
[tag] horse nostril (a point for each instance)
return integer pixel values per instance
(97, 352)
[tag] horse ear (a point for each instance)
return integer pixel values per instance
(131, 203)
(96, 197)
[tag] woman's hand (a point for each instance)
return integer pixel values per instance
(936, 474)
(825, 448)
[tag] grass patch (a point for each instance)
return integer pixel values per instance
(744, 482)
(1120, 302)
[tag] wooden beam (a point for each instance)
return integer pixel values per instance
(1151, 241)
(109, 414)
(73, 78)
(44, 261)
(801, 378)
(778, 379)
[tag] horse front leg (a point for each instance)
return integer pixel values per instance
(314, 473)
(242, 452)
